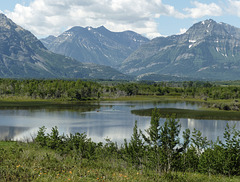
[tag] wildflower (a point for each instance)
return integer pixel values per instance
(137, 173)
(70, 172)
(69, 179)
(125, 176)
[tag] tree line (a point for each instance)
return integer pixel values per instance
(87, 90)
(50, 89)
(158, 149)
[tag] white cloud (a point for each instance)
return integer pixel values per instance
(202, 10)
(234, 7)
(44, 17)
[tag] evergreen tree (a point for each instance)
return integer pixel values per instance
(135, 148)
(154, 142)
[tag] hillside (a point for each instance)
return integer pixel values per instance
(95, 45)
(22, 55)
(208, 50)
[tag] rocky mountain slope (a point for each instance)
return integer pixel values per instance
(22, 55)
(95, 45)
(208, 50)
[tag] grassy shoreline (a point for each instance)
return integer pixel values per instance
(29, 162)
(210, 109)
(22, 101)
(192, 114)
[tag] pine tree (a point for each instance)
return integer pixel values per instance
(135, 148)
(170, 141)
(154, 142)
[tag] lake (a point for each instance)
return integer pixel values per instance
(99, 120)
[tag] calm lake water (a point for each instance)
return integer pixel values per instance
(98, 120)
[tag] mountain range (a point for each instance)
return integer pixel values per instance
(22, 55)
(208, 50)
(95, 45)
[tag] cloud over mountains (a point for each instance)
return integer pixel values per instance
(44, 17)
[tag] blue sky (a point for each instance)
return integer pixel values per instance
(148, 17)
(10, 5)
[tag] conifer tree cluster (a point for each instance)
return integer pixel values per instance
(158, 148)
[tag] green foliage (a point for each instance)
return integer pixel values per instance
(170, 142)
(80, 90)
(158, 150)
(50, 89)
(153, 131)
(54, 141)
(81, 145)
(231, 151)
(163, 143)
(55, 157)
(194, 114)
(135, 148)
(41, 138)
(199, 142)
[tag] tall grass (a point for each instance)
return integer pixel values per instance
(29, 162)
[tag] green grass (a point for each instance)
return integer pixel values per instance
(7, 144)
(193, 114)
(29, 162)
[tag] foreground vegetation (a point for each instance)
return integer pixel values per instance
(28, 162)
(152, 155)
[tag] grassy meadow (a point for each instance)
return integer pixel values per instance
(30, 162)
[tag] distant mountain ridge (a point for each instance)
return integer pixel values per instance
(22, 55)
(208, 50)
(95, 45)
